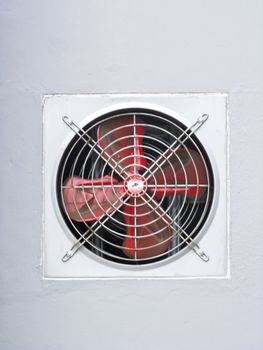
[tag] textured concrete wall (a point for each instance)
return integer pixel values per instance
(124, 46)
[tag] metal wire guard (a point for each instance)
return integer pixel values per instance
(135, 187)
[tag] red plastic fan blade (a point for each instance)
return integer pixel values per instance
(82, 202)
(145, 246)
(185, 167)
(122, 142)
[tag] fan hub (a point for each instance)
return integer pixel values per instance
(135, 185)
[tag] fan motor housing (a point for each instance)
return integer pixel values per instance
(86, 110)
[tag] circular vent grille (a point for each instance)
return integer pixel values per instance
(135, 186)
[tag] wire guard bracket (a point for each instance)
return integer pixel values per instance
(199, 251)
(66, 119)
(71, 252)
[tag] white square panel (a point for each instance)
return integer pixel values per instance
(57, 239)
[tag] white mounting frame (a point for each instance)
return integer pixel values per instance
(213, 135)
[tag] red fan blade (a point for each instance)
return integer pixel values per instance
(84, 203)
(145, 246)
(122, 141)
(185, 167)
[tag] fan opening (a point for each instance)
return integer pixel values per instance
(135, 187)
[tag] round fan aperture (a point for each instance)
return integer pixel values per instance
(135, 186)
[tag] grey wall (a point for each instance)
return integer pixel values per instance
(123, 46)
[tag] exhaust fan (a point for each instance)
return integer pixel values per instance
(133, 189)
